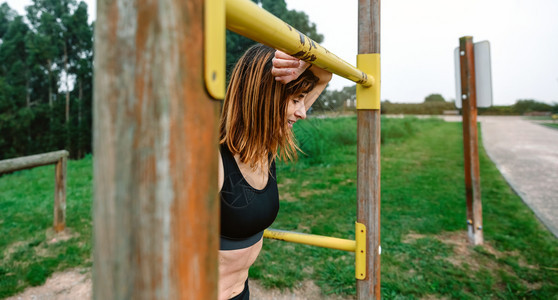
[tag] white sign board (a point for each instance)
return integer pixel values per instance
(483, 75)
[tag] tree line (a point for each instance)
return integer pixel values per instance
(45, 78)
(46, 74)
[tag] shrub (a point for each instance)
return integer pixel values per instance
(434, 98)
(529, 105)
(427, 108)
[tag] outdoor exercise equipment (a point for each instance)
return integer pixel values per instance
(155, 137)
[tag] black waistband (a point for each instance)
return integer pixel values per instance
(233, 244)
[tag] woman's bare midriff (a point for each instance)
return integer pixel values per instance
(233, 269)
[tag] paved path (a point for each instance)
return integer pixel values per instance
(526, 154)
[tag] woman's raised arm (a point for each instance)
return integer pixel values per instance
(287, 68)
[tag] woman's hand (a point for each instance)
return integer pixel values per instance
(287, 68)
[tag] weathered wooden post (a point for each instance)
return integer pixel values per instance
(470, 140)
(368, 180)
(155, 154)
(60, 195)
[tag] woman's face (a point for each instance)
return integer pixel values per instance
(296, 108)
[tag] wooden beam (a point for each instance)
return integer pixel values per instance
(155, 154)
(368, 179)
(32, 161)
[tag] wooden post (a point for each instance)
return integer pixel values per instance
(60, 195)
(470, 140)
(155, 206)
(368, 181)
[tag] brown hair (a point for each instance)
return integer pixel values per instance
(253, 121)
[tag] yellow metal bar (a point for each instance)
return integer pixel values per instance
(369, 97)
(311, 239)
(360, 251)
(215, 48)
(248, 19)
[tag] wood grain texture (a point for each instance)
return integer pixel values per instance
(470, 141)
(368, 179)
(155, 145)
(60, 171)
(32, 161)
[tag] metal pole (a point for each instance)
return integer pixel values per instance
(311, 239)
(248, 19)
(155, 154)
(368, 181)
(470, 140)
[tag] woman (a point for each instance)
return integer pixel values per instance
(268, 92)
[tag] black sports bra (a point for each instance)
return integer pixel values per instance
(245, 211)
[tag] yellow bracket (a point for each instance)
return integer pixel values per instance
(369, 97)
(215, 48)
(360, 251)
(358, 246)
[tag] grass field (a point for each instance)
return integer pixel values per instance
(29, 250)
(551, 125)
(424, 249)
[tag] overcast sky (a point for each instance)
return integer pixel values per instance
(418, 39)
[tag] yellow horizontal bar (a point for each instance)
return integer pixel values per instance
(248, 19)
(311, 239)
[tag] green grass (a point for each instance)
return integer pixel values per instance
(423, 212)
(28, 253)
(551, 125)
(423, 220)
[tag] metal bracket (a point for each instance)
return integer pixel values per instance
(214, 48)
(369, 97)
(360, 251)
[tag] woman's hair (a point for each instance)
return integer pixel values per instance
(253, 121)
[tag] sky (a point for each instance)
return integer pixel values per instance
(418, 39)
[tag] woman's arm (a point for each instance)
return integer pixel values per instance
(287, 68)
(324, 78)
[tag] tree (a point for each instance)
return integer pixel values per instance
(6, 16)
(54, 44)
(529, 105)
(434, 98)
(62, 47)
(335, 100)
(49, 19)
(15, 113)
(79, 49)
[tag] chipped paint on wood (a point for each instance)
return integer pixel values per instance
(155, 143)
